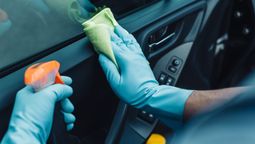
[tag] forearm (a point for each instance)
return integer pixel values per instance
(204, 101)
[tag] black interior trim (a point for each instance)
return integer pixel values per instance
(117, 123)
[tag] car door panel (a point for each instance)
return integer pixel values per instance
(101, 117)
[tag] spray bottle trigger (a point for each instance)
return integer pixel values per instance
(58, 79)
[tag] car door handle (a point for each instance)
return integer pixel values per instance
(170, 36)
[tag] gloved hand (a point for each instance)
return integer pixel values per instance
(135, 83)
(32, 116)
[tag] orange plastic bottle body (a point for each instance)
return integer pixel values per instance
(42, 75)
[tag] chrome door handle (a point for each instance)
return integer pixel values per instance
(163, 40)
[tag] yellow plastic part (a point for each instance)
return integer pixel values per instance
(156, 139)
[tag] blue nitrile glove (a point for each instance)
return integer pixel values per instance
(135, 83)
(32, 115)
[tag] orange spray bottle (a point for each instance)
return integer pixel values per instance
(42, 75)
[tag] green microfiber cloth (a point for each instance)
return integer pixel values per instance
(98, 30)
(70, 9)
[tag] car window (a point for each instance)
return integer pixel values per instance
(28, 27)
(122, 7)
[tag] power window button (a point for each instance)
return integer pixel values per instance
(162, 78)
(172, 69)
(169, 81)
(146, 116)
(176, 62)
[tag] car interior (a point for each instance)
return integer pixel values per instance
(193, 44)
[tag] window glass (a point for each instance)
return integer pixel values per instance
(122, 7)
(28, 27)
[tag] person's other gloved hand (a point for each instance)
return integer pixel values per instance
(135, 83)
(32, 115)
